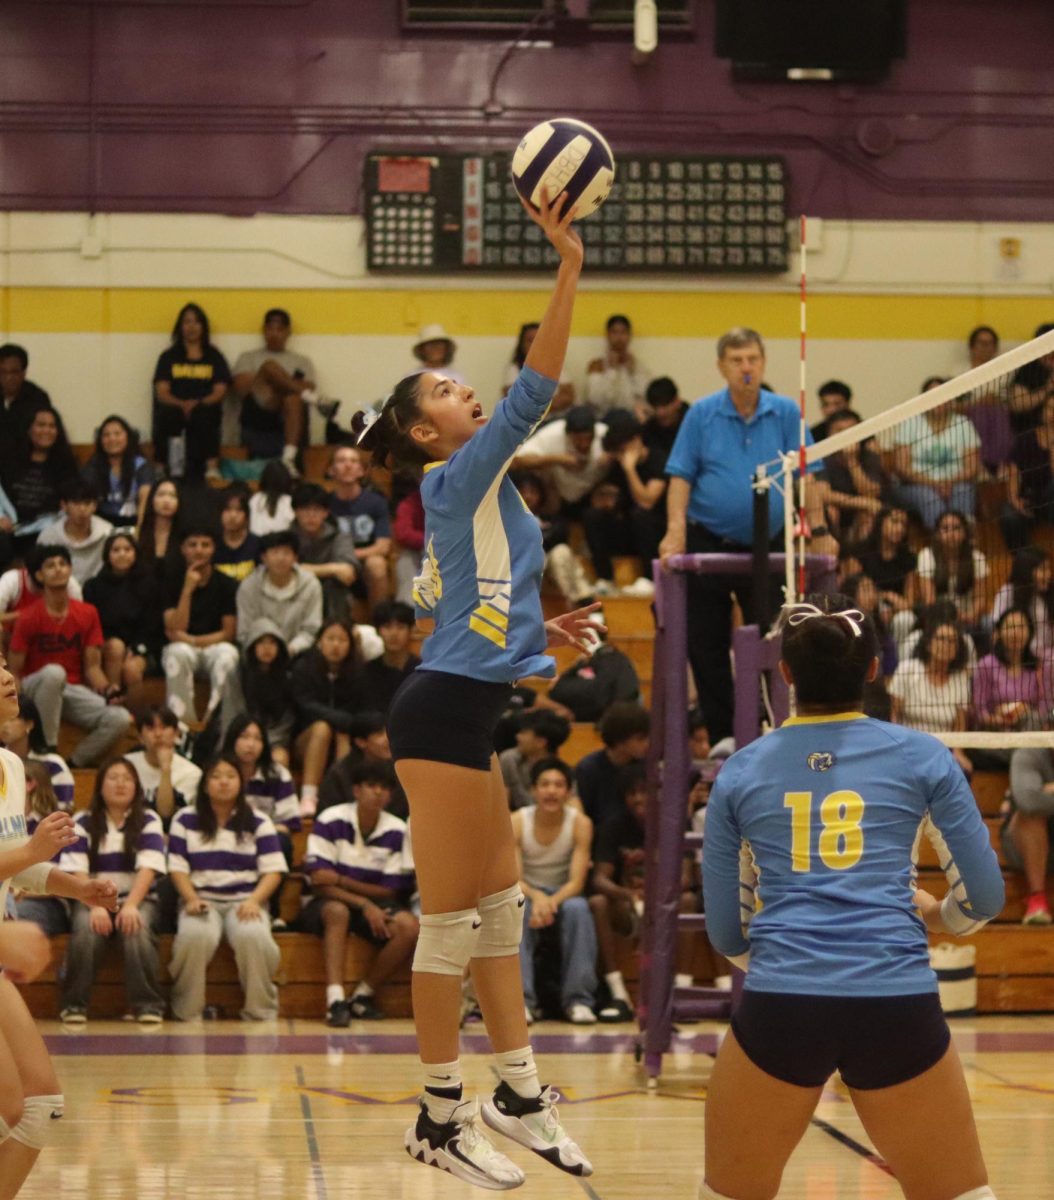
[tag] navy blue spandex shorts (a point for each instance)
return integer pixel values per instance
(446, 718)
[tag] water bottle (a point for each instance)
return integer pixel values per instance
(177, 456)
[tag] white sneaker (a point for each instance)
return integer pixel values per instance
(604, 587)
(643, 588)
(528, 1014)
(581, 1014)
(536, 1125)
(461, 1149)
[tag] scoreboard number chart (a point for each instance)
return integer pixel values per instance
(700, 214)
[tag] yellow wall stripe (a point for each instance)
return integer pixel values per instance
(499, 312)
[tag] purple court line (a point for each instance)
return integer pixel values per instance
(312, 1139)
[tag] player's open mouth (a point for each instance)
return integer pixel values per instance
(477, 413)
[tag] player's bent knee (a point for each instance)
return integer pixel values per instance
(502, 917)
(447, 942)
(37, 1126)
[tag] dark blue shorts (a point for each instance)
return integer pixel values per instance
(446, 718)
(872, 1041)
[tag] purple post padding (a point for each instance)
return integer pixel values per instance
(754, 656)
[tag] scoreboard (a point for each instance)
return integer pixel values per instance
(705, 215)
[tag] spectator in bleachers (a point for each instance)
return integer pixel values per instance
(539, 735)
(273, 384)
(983, 345)
(1026, 837)
(369, 744)
(553, 844)
(1013, 687)
(328, 689)
(282, 591)
(238, 549)
(835, 397)
(271, 507)
(666, 411)
(624, 730)
(640, 473)
(37, 465)
(128, 600)
(853, 482)
(200, 621)
(190, 380)
(951, 568)
(19, 588)
(79, 529)
(563, 397)
(569, 455)
(121, 840)
(888, 560)
(363, 513)
(326, 552)
(1029, 481)
(408, 531)
(1030, 588)
(362, 877)
(161, 531)
(617, 379)
(1032, 387)
(24, 735)
(119, 476)
(22, 399)
(260, 688)
(169, 779)
(385, 674)
(860, 588)
(225, 862)
(562, 565)
(937, 462)
(434, 351)
(986, 406)
(50, 913)
(56, 654)
(596, 681)
(931, 691)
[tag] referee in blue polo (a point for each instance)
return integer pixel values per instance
(710, 504)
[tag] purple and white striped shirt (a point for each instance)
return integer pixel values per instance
(150, 853)
(384, 857)
(275, 797)
(61, 777)
(227, 867)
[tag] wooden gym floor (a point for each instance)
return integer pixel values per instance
(227, 1111)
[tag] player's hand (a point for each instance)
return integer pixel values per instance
(165, 755)
(555, 223)
(101, 922)
(129, 919)
(575, 628)
(248, 910)
(99, 893)
(632, 453)
(929, 909)
(377, 921)
(672, 544)
(54, 833)
(24, 950)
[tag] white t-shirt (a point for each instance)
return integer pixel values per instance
(927, 569)
(928, 707)
(938, 454)
(185, 778)
(251, 361)
(572, 483)
(260, 520)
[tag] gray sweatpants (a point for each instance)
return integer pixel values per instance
(85, 953)
(56, 699)
(255, 952)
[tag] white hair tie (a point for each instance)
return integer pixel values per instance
(797, 613)
(370, 416)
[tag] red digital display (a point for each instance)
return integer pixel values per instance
(404, 175)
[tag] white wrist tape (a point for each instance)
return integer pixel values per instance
(502, 916)
(447, 942)
(39, 1114)
(956, 920)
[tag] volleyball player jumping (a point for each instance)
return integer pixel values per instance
(30, 1100)
(823, 817)
(480, 585)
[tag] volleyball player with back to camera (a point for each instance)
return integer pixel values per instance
(30, 1100)
(823, 817)
(480, 586)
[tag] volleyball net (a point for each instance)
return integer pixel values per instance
(940, 511)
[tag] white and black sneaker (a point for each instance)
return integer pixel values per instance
(536, 1124)
(461, 1149)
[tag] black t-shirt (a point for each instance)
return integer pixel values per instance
(33, 489)
(660, 439)
(237, 561)
(620, 842)
(888, 575)
(599, 785)
(127, 607)
(840, 478)
(365, 518)
(208, 604)
(383, 681)
(191, 379)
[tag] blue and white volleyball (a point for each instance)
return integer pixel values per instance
(564, 155)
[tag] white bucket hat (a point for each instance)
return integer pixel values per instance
(433, 333)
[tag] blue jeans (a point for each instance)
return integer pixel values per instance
(930, 504)
(578, 954)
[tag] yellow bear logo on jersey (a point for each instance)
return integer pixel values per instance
(819, 761)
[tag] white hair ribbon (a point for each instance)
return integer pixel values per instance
(370, 416)
(797, 613)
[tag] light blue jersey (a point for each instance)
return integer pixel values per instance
(811, 836)
(482, 569)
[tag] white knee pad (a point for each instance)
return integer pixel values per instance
(502, 916)
(447, 942)
(5, 1131)
(981, 1193)
(39, 1114)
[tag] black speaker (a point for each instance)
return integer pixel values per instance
(811, 40)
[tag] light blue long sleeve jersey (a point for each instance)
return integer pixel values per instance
(482, 570)
(810, 852)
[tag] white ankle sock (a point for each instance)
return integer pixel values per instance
(288, 452)
(334, 992)
(617, 986)
(517, 1069)
(443, 1090)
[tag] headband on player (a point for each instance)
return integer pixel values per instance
(795, 614)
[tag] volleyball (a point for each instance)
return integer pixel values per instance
(564, 155)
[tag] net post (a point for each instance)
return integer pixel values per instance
(760, 560)
(790, 579)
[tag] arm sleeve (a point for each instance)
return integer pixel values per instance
(34, 879)
(983, 690)
(163, 369)
(150, 853)
(286, 804)
(269, 857)
(304, 638)
(469, 474)
(75, 858)
(321, 849)
(178, 859)
(959, 835)
(721, 874)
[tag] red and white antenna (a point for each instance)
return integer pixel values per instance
(803, 527)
